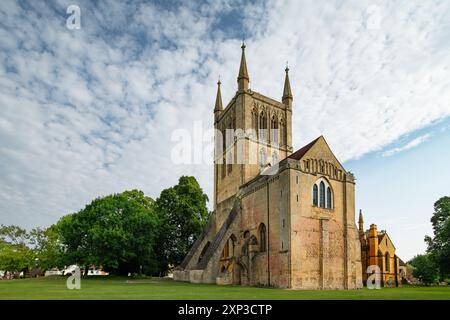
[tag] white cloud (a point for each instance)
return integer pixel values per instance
(89, 112)
(411, 144)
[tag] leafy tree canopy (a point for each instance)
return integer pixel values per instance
(183, 213)
(424, 269)
(439, 244)
(117, 232)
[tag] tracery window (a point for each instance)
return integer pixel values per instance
(322, 194)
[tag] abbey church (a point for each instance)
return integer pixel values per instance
(281, 218)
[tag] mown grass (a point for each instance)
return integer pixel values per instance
(161, 289)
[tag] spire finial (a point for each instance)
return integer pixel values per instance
(287, 93)
(243, 78)
(218, 106)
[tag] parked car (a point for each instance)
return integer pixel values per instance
(53, 272)
(97, 272)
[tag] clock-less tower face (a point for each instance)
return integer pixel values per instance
(253, 133)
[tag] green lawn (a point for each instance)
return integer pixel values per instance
(121, 288)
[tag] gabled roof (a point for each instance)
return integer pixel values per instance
(297, 155)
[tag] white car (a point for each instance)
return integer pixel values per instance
(96, 272)
(53, 272)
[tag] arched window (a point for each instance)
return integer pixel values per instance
(262, 237)
(228, 249)
(263, 126)
(315, 195)
(322, 194)
(274, 130)
(386, 261)
(329, 200)
(255, 119)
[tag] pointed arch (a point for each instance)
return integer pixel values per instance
(255, 119)
(274, 132)
(322, 194)
(228, 248)
(329, 198)
(263, 125)
(262, 237)
(315, 195)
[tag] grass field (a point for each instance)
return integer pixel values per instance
(121, 288)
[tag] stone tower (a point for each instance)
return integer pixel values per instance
(252, 133)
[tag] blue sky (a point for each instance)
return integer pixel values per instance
(89, 112)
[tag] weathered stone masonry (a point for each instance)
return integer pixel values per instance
(288, 223)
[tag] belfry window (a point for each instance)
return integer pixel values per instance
(274, 130)
(255, 120)
(263, 126)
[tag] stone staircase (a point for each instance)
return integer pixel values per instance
(196, 244)
(219, 236)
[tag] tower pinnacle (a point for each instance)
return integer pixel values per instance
(287, 93)
(243, 78)
(218, 106)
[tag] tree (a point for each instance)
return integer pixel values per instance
(47, 247)
(424, 268)
(183, 214)
(15, 255)
(439, 244)
(14, 235)
(117, 232)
